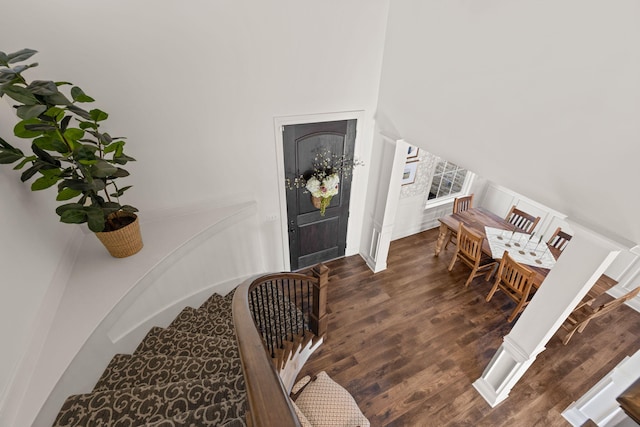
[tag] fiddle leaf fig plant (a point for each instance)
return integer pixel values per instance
(68, 149)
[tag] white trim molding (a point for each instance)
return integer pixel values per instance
(599, 403)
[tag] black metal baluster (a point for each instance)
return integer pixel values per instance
(279, 318)
(303, 305)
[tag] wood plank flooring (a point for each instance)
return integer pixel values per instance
(408, 343)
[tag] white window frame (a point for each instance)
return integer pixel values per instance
(439, 201)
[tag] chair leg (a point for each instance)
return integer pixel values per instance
(490, 273)
(583, 325)
(569, 335)
(453, 260)
(493, 290)
(470, 279)
(519, 308)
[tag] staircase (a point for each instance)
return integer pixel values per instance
(214, 365)
(188, 374)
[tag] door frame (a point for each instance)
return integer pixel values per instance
(358, 183)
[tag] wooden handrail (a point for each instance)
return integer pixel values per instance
(268, 400)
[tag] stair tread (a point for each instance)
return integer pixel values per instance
(201, 322)
(174, 342)
(147, 404)
(134, 370)
(216, 303)
(230, 413)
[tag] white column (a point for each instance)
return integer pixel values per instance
(579, 267)
(393, 157)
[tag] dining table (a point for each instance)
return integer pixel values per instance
(478, 219)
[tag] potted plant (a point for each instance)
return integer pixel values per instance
(324, 181)
(69, 149)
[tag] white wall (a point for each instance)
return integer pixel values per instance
(31, 251)
(195, 87)
(539, 96)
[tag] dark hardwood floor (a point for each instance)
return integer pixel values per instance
(408, 343)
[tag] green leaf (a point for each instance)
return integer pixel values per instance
(79, 96)
(113, 147)
(64, 123)
(95, 219)
(110, 207)
(74, 184)
(57, 99)
(85, 152)
(73, 216)
(120, 191)
(56, 113)
(73, 134)
(102, 169)
(10, 156)
(67, 193)
(8, 153)
(21, 131)
(87, 125)
(129, 208)
(68, 206)
(21, 55)
(49, 178)
(4, 59)
(24, 162)
(43, 87)
(43, 127)
(26, 175)
(120, 173)
(106, 138)
(30, 111)
(79, 111)
(45, 157)
(20, 68)
(98, 115)
(51, 143)
(20, 94)
(6, 77)
(123, 159)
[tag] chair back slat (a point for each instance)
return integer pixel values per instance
(515, 280)
(461, 204)
(469, 251)
(515, 276)
(524, 221)
(559, 239)
(470, 244)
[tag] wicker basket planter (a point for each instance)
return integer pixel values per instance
(124, 241)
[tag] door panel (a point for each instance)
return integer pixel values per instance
(314, 238)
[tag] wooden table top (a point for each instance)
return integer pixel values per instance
(477, 219)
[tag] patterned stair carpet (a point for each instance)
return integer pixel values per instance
(187, 374)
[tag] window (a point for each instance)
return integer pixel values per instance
(449, 180)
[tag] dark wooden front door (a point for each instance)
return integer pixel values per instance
(314, 238)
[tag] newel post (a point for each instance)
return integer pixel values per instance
(319, 310)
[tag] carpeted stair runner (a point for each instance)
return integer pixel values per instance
(128, 370)
(227, 414)
(202, 322)
(173, 342)
(188, 374)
